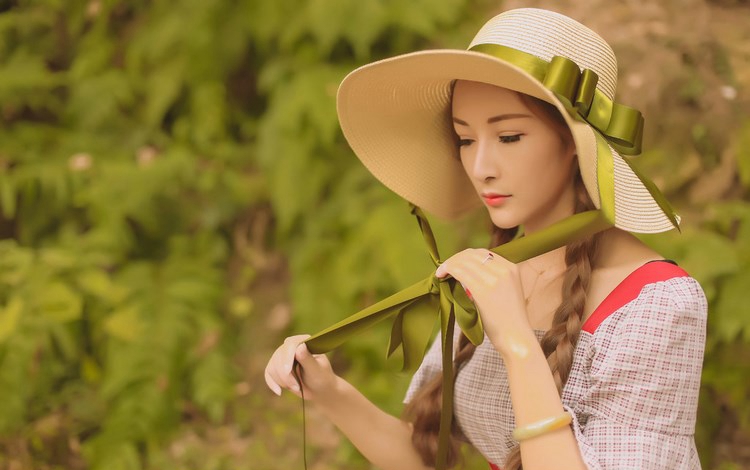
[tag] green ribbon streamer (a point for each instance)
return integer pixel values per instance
(621, 125)
(605, 177)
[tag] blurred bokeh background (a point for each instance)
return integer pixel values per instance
(176, 198)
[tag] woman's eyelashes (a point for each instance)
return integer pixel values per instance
(504, 139)
(509, 139)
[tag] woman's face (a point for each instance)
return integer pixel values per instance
(519, 164)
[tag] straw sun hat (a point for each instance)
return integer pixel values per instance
(395, 114)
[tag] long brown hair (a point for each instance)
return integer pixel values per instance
(558, 344)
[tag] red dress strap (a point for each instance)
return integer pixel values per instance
(630, 288)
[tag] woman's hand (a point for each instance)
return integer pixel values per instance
(494, 284)
(316, 374)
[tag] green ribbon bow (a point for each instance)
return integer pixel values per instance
(621, 125)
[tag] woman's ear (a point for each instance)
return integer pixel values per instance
(571, 151)
(575, 170)
(570, 146)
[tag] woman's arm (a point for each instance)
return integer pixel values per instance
(383, 439)
(534, 397)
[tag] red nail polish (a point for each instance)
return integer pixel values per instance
(468, 294)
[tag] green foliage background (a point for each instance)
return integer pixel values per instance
(176, 197)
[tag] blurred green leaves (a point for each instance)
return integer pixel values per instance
(122, 174)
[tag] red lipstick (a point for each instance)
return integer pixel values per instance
(494, 199)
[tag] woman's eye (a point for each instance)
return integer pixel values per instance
(507, 139)
(464, 142)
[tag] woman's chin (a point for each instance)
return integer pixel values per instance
(504, 222)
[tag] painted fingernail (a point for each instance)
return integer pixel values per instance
(468, 294)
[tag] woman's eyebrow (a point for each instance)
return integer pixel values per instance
(501, 117)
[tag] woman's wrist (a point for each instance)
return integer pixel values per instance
(516, 346)
(328, 400)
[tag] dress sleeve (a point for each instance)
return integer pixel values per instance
(432, 364)
(640, 407)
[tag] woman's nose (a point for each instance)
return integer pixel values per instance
(485, 163)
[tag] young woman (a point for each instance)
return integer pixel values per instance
(592, 352)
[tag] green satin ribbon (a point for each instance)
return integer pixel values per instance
(621, 125)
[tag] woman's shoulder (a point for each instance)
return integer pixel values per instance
(639, 278)
(656, 287)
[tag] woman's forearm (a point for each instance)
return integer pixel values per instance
(383, 439)
(534, 397)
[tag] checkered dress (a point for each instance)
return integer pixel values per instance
(633, 387)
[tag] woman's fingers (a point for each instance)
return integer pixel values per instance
(292, 342)
(303, 356)
(479, 271)
(278, 373)
(275, 387)
(465, 267)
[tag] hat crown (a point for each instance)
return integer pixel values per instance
(546, 34)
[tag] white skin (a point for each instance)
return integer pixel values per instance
(506, 150)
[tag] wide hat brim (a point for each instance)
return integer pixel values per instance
(395, 114)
